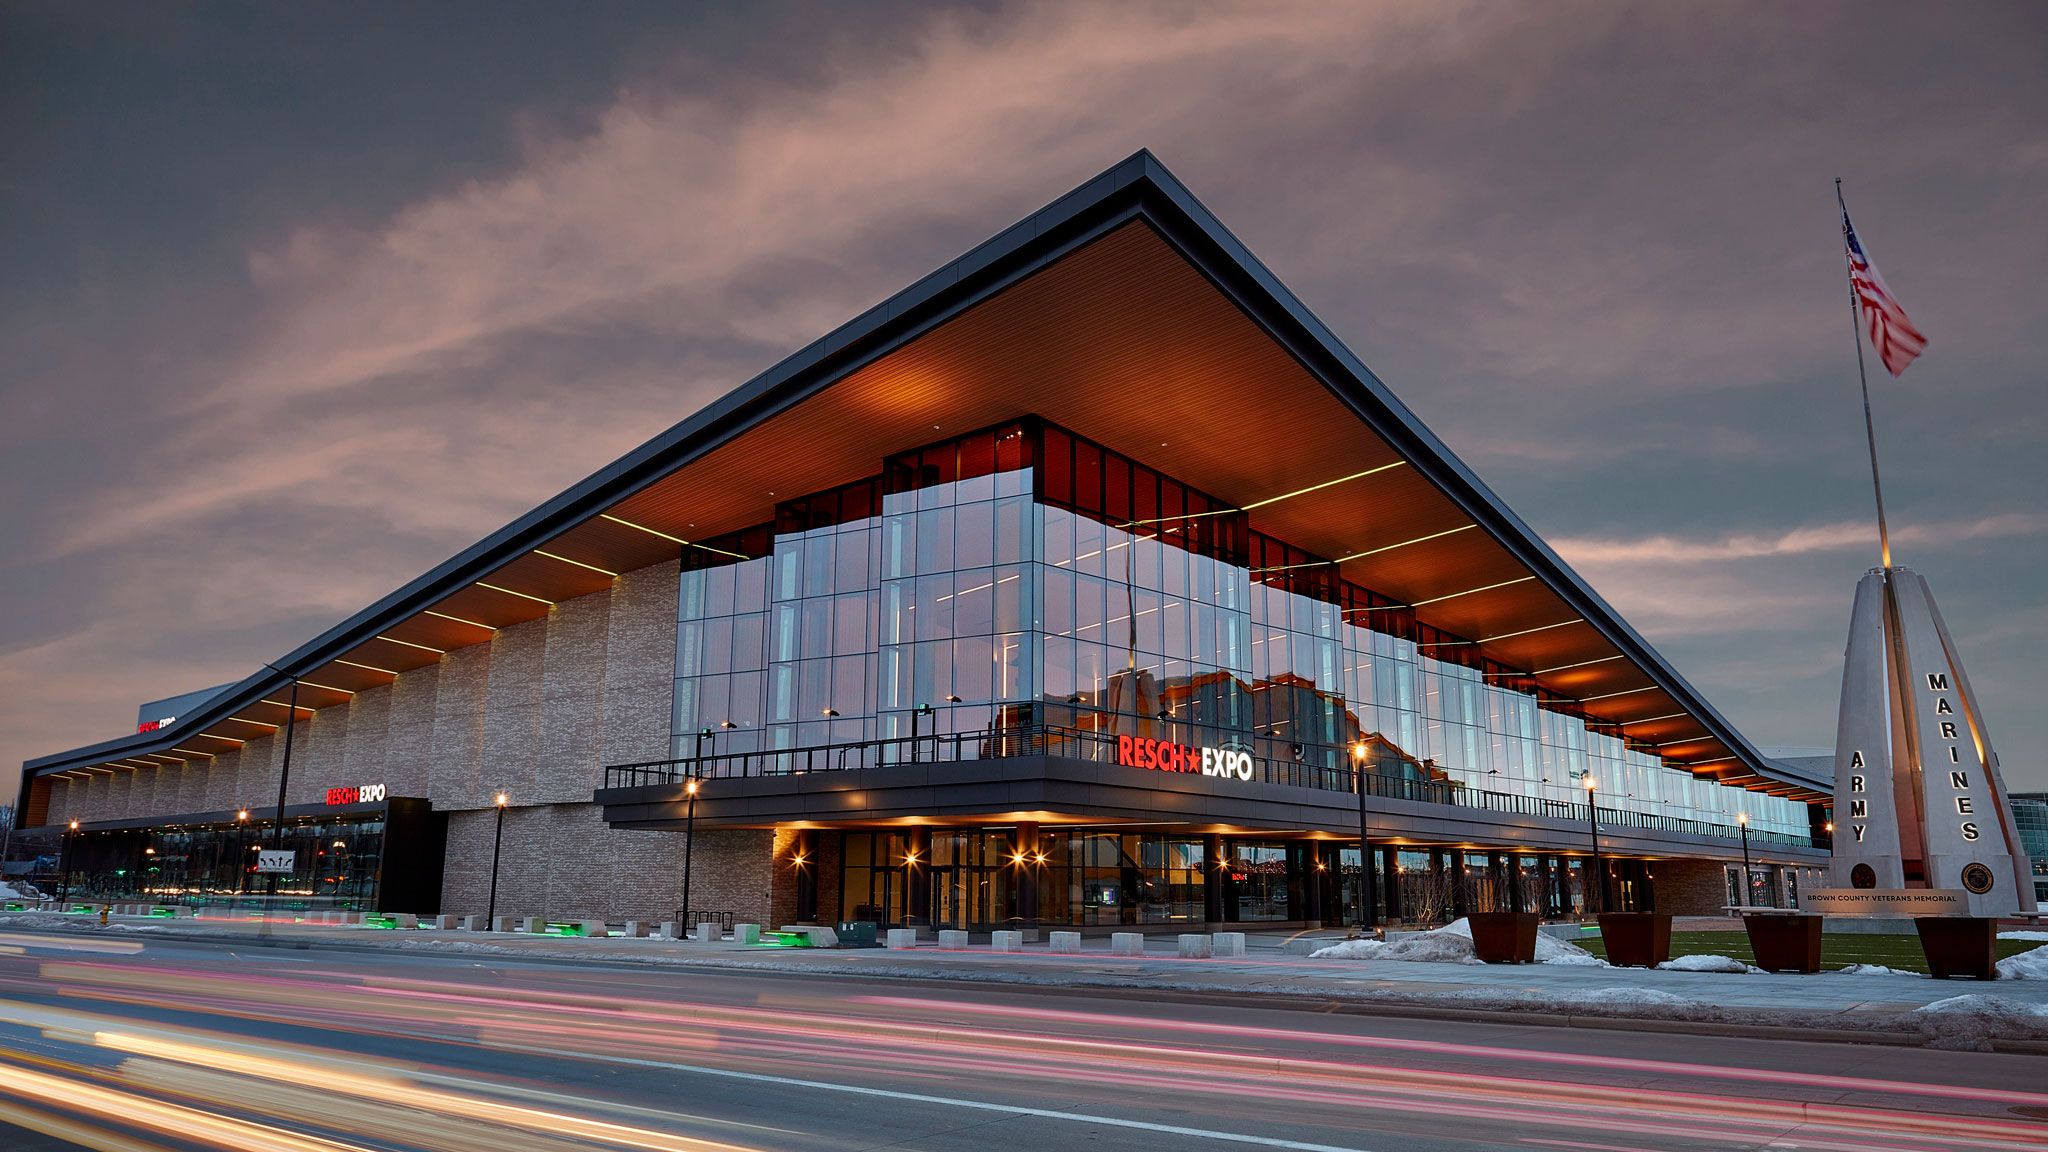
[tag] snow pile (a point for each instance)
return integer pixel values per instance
(2029, 965)
(1978, 1004)
(1876, 970)
(1442, 946)
(1706, 964)
(1634, 996)
(2023, 934)
(1551, 950)
(1972, 1022)
(1452, 944)
(8, 892)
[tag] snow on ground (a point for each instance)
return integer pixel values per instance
(8, 892)
(1876, 970)
(1706, 964)
(1452, 944)
(2030, 965)
(2023, 934)
(1979, 1004)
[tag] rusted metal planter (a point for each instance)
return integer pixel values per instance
(1504, 937)
(1636, 939)
(1785, 943)
(1959, 946)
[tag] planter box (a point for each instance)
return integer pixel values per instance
(1636, 939)
(1504, 937)
(1959, 946)
(1789, 943)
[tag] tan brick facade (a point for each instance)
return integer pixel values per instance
(536, 712)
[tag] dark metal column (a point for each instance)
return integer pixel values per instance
(1212, 879)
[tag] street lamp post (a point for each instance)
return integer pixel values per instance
(1596, 889)
(241, 862)
(497, 840)
(689, 844)
(64, 892)
(1742, 822)
(1368, 896)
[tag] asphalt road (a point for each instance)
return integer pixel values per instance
(132, 1045)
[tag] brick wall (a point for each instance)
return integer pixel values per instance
(369, 735)
(511, 713)
(572, 699)
(457, 760)
(409, 747)
(1691, 887)
(640, 666)
(562, 861)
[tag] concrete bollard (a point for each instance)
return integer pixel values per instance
(474, 924)
(636, 929)
(351, 917)
(596, 929)
(404, 920)
(671, 929)
(1194, 946)
(1127, 944)
(533, 924)
(1006, 941)
(901, 938)
(746, 933)
(1066, 942)
(445, 922)
(705, 932)
(952, 938)
(504, 924)
(1228, 944)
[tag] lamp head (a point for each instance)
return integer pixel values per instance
(691, 787)
(501, 799)
(74, 825)
(1742, 818)
(1589, 782)
(242, 815)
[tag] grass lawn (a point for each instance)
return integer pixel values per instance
(1837, 950)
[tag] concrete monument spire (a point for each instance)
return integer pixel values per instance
(1918, 798)
(1919, 802)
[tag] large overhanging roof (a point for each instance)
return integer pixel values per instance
(1125, 311)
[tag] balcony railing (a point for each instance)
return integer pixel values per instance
(1101, 748)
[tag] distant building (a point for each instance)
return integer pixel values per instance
(2030, 812)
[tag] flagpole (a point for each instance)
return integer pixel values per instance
(1884, 538)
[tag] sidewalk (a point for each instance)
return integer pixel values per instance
(1880, 1008)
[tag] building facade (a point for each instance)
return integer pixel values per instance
(1088, 581)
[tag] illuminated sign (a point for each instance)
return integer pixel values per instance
(1166, 756)
(285, 861)
(361, 794)
(153, 725)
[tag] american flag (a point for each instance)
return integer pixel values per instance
(1898, 343)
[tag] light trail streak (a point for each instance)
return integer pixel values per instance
(171, 1120)
(819, 1044)
(1619, 1063)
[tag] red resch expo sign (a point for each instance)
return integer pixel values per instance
(1166, 756)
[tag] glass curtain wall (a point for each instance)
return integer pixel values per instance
(215, 865)
(1022, 576)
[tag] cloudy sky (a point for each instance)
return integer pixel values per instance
(298, 300)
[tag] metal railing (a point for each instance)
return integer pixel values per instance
(1101, 748)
